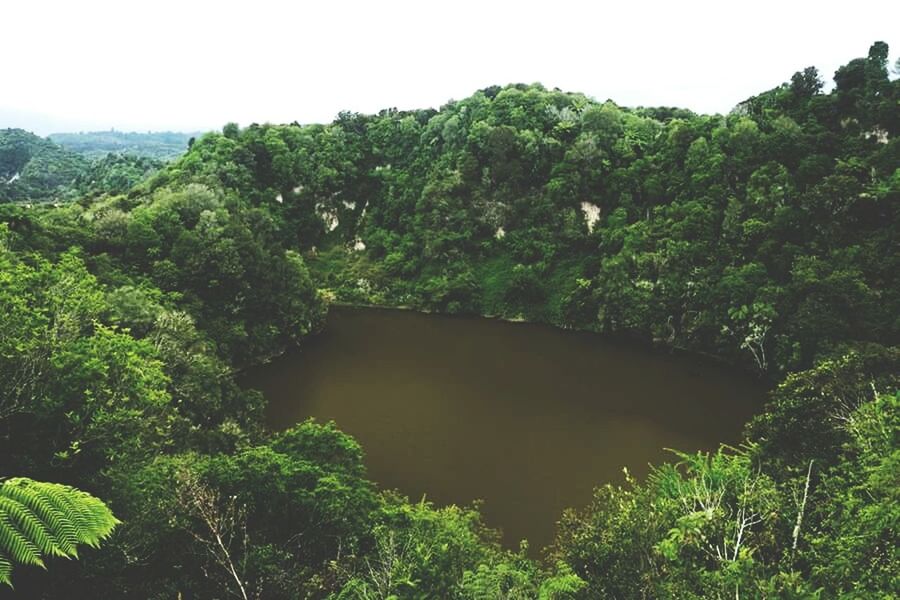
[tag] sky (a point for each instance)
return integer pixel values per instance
(193, 65)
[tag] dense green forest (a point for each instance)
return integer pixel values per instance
(766, 237)
(35, 169)
(159, 145)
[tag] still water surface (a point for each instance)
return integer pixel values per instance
(527, 418)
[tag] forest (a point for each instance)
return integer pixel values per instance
(161, 145)
(133, 291)
(35, 169)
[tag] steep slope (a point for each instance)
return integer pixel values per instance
(765, 236)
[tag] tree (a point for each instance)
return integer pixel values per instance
(224, 526)
(751, 325)
(807, 83)
(39, 519)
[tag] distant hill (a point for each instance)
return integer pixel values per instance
(34, 168)
(161, 145)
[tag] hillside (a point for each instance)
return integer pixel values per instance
(761, 236)
(161, 145)
(33, 168)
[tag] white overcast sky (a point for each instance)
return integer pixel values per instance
(187, 65)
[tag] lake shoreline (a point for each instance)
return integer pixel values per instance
(630, 339)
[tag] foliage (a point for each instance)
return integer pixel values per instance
(33, 168)
(751, 522)
(115, 174)
(95, 145)
(761, 236)
(39, 519)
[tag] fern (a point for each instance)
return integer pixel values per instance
(39, 519)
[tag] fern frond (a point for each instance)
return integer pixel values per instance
(14, 543)
(39, 518)
(5, 569)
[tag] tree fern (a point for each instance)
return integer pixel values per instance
(40, 519)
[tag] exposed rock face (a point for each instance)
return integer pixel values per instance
(591, 214)
(329, 217)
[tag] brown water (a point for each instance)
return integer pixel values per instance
(527, 418)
